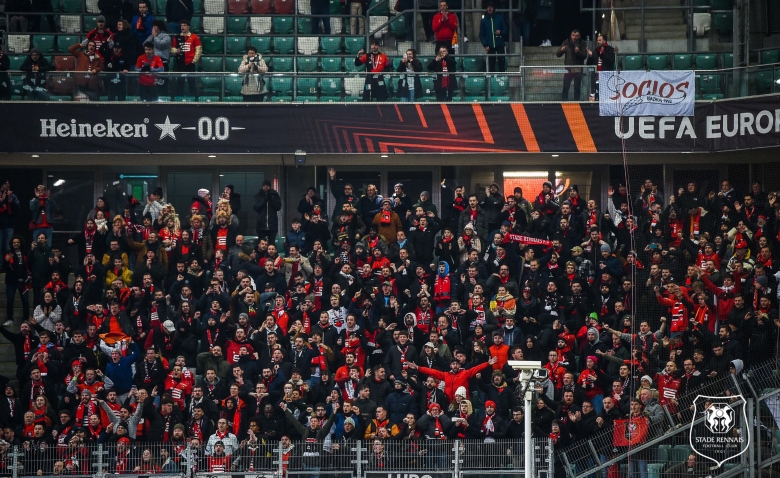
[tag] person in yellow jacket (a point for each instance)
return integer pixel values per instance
(119, 271)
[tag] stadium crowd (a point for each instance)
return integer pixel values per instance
(381, 320)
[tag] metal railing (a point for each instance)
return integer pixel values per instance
(333, 456)
(668, 445)
(525, 83)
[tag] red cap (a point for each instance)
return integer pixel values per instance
(124, 440)
(490, 403)
(434, 405)
(741, 244)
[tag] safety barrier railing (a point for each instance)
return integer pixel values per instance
(336, 457)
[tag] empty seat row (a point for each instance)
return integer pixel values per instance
(682, 61)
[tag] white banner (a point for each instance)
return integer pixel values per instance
(646, 93)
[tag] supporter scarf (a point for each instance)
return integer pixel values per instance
(521, 239)
(36, 388)
(27, 347)
(95, 432)
(385, 218)
(487, 424)
(554, 437)
(84, 412)
(437, 430)
(445, 78)
(459, 204)
(473, 213)
(222, 435)
(466, 240)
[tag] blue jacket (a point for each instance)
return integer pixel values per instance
(121, 373)
(487, 31)
(144, 32)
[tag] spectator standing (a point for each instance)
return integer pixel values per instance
(111, 10)
(410, 86)
(188, 49)
(16, 21)
(90, 63)
(604, 59)
(141, 25)
(376, 63)
(575, 51)
(445, 83)
(445, 24)
(268, 203)
(177, 11)
(149, 63)
(320, 10)
(118, 64)
(102, 37)
(492, 33)
(161, 40)
(253, 85)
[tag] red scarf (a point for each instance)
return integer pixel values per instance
(84, 412)
(386, 218)
(473, 213)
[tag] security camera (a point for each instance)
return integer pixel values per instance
(525, 364)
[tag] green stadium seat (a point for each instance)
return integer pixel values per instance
(164, 99)
(60, 98)
(284, 45)
(282, 64)
(197, 6)
(232, 99)
(304, 25)
(209, 99)
(213, 45)
(352, 45)
(707, 61)
(349, 65)
(262, 43)
(657, 62)
(64, 41)
(714, 96)
(499, 85)
(233, 85)
(307, 64)
(335, 6)
(767, 56)
(654, 470)
(72, 6)
(728, 60)
(723, 22)
(232, 63)
(475, 86)
(160, 7)
(764, 80)
(633, 62)
(679, 453)
(427, 86)
(332, 64)
(380, 8)
(281, 99)
(398, 27)
(331, 86)
(235, 25)
(90, 22)
(473, 64)
(701, 3)
(16, 62)
(281, 85)
(308, 99)
(306, 86)
(235, 45)
(663, 453)
(196, 25)
(330, 45)
(283, 25)
(211, 83)
(683, 61)
(330, 99)
(212, 64)
(184, 99)
(709, 84)
(722, 4)
(45, 43)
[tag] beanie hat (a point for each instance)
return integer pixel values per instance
(349, 421)
(594, 330)
(606, 248)
(461, 391)
(647, 377)
(490, 403)
(433, 406)
(179, 426)
(593, 357)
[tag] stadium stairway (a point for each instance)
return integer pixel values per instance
(659, 24)
(7, 355)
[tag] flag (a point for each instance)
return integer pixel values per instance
(630, 432)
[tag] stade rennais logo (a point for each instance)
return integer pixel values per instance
(723, 432)
(207, 129)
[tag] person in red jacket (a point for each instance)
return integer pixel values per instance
(445, 24)
(456, 377)
(376, 62)
(188, 49)
(148, 63)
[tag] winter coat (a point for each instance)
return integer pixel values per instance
(487, 31)
(253, 82)
(267, 205)
(403, 87)
(398, 404)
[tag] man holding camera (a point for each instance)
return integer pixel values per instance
(253, 85)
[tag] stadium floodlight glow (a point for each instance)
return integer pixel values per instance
(383, 156)
(35, 156)
(778, 82)
(212, 155)
(555, 155)
(58, 183)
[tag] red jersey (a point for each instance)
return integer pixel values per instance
(188, 45)
(154, 63)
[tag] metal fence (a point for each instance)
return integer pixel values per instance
(336, 458)
(667, 447)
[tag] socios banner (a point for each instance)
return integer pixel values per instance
(381, 128)
(647, 93)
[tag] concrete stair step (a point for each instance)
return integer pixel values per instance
(635, 30)
(652, 22)
(636, 16)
